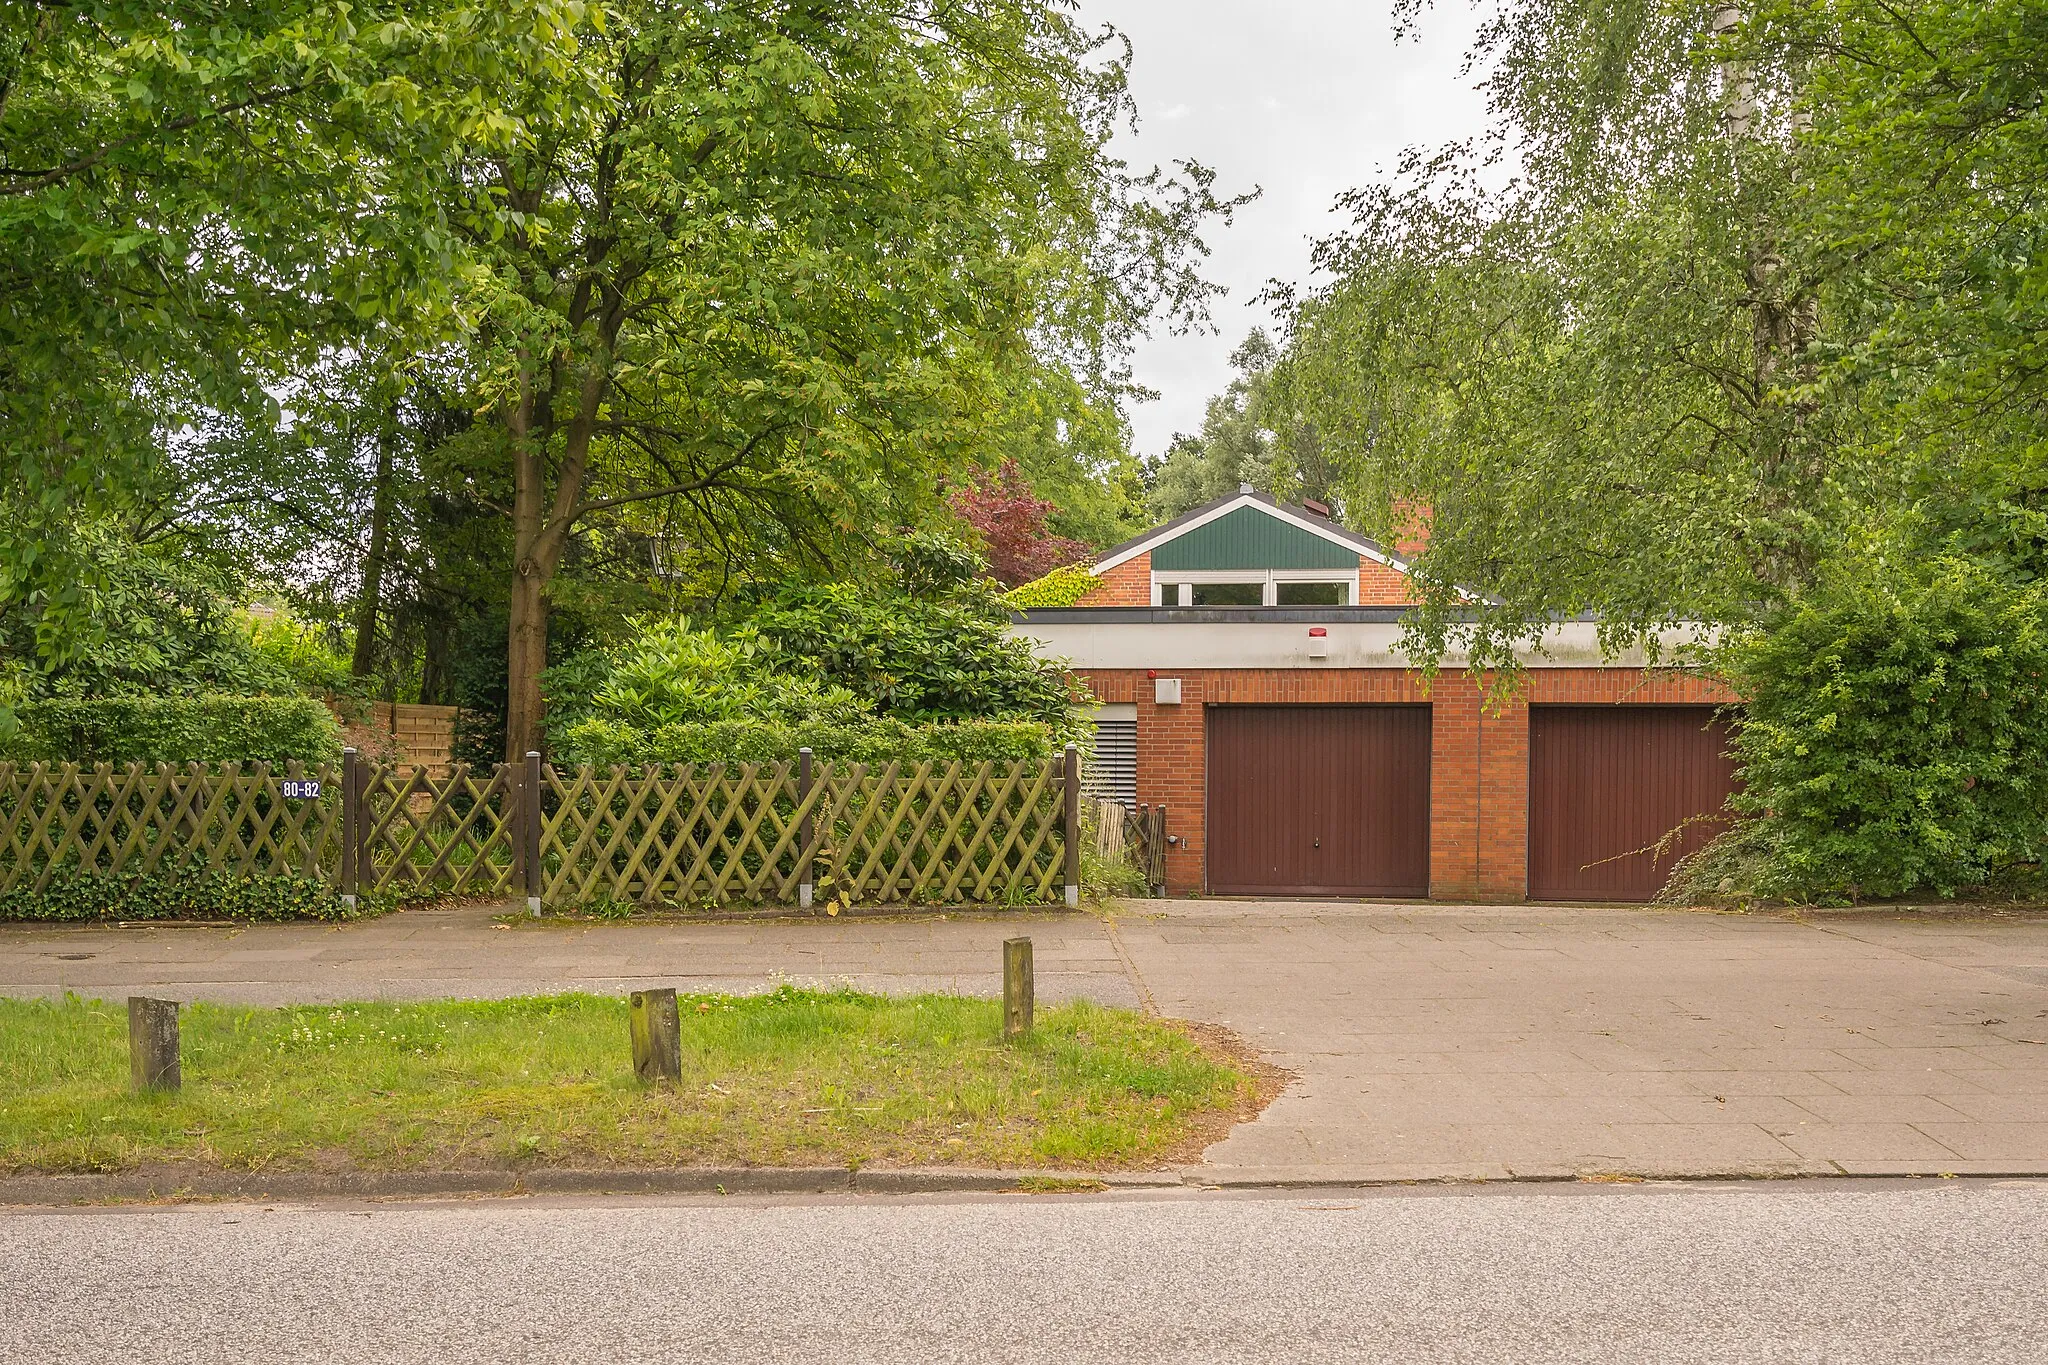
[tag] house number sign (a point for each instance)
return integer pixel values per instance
(295, 789)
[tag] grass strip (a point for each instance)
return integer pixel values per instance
(791, 1077)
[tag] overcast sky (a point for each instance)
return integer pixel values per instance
(1305, 98)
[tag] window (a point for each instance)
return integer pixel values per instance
(1229, 594)
(1312, 594)
(1255, 588)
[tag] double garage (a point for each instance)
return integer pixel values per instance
(1335, 800)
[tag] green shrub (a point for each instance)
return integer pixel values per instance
(673, 675)
(1063, 587)
(839, 658)
(174, 730)
(193, 893)
(606, 743)
(1895, 738)
(920, 659)
(297, 659)
(161, 618)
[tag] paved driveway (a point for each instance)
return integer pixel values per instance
(1484, 1043)
(1427, 1042)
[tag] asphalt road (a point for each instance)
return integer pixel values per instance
(1948, 1271)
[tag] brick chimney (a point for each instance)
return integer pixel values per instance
(1411, 527)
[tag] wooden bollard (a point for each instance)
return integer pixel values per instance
(1017, 987)
(657, 1036)
(153, 1044)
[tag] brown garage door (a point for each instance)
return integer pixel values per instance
(1607, 782)
(1318, 800)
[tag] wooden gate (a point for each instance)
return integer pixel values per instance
(1609, 784)
(1318, 800)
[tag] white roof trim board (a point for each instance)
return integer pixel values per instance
(1180, 526)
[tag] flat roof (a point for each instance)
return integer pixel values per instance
(1076, 616)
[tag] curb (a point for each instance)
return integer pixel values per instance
(165, 1185)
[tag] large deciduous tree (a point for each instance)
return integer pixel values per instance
(1247, 436)
(1601, 379)
(770, 268)
(1763, 292)
(195, 198)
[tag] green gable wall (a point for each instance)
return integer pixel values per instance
(1248, 538)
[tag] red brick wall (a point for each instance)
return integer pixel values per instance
(1380, 586)
(1129, 584)
(1479, 764)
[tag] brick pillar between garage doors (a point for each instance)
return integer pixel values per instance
(1479, 760)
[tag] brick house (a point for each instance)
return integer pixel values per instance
(1246, 658)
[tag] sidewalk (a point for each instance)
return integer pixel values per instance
(1428, 1042)
(432, 954)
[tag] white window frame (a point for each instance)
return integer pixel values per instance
(1269, 579)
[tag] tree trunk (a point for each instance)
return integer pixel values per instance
(526, 644)
(436, 687)
(380, 542)
(526, 654)
(540, 535)
(1784, 324)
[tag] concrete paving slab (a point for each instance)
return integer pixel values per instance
(1859, 1142)
(1924, 1081)
(1980, 1141)
(1885, 1108)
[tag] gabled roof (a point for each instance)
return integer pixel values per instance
(1293, 515)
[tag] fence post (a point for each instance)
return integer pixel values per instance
(804, 889)
(1156, 851)
(1018, 987)
(153, 1044)
(350, 817)
(366, 869)
(529, 831)
(1073, 824)
(657, 1035)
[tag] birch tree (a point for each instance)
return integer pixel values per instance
(1601, 377)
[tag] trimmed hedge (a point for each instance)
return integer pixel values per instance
(607, 743)
(211, 729)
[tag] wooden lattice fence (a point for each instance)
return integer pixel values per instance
(988, 834)
(984, 833)
(788, 832)
(64, 819)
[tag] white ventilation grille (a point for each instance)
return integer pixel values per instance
(1112, 774)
